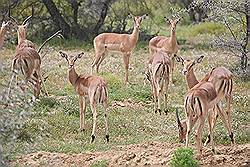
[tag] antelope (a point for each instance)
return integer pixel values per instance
(165, 44)
(223, 83)
(198, 101)
(161, 65)
(28, 61)
(93, 87)
(122, 43)
(3, 32)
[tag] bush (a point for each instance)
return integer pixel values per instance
(183, 157)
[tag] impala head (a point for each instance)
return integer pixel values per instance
(70, 58)
(172, 23)
(138, 20)
(182, 127)
(21, 29)
(188, 64)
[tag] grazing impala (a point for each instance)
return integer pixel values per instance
(27, 60)
(3, 32)
(160, 69)
(90, 86)
(165, 44)
(123, 43)
(223, 83)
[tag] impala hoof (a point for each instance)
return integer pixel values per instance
(93, 138)
(82, 130)
(166, 111)
(107, 138)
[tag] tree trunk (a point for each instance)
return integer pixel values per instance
(57, 17)
(103, 15)
(244, 58)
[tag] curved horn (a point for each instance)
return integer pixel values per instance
(26, 20)
(178, 118)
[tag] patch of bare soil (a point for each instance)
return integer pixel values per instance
(150, 154)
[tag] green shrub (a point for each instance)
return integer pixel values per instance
(183, 157)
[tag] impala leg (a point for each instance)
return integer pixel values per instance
(93, 108)
(198, 134)
(229, 109)
(229, 118)
(105, 106)
(154, 95)
(14, 76)
(37, 86)
(210, 124)
(102, 57)
(97, 58)
(214, 115)
(166, 95)
(82, 105)
(226, 123)
(126, 63)
(188, 130)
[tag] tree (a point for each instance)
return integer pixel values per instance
(235, 16)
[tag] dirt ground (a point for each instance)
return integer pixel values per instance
(147, 154)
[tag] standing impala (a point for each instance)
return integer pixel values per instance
(223, 83)
(123, 43)
(160, 69)
(165, 44)
(90, 86)
(3, 32)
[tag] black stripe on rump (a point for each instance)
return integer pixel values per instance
(199, 102)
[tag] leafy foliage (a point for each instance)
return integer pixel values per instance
(183, 157)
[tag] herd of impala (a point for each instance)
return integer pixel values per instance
(203, 99)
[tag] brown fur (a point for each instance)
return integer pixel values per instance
(122, 43)
(93, 87)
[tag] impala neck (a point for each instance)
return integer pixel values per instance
(21, 37)
(72, 76)
(191, 79)
(173, 40)
(134, 36)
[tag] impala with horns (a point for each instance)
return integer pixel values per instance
(223, 83)
(197, 104)
(93, 87)
(21, 32)
(165, 44)
(3, 31)
(28, 61)
(160, 69)
(123, 43)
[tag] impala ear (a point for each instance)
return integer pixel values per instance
(80, 55)
(177, 20)
(26, 25)
(179, 59)
(64, 55)
(144, 16)
(199, 59)
(167, 19)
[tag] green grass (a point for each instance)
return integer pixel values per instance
(52, 123)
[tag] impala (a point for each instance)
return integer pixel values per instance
(28, 61)
(223, 83)
(160, 69)
(93, 87)
(165, 44)
(122, 43)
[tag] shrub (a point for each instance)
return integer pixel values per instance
(183, 157)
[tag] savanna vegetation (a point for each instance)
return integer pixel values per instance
(218, 30)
